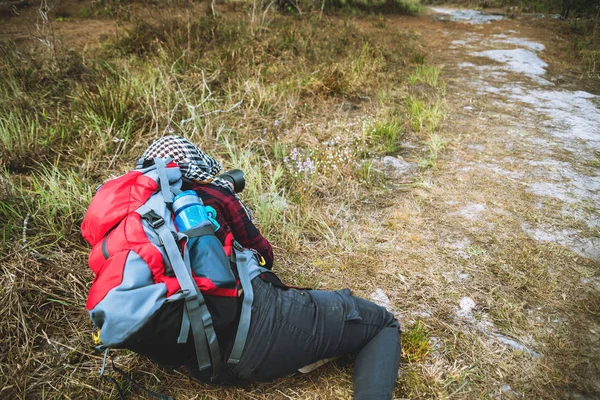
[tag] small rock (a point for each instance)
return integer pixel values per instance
(516, 345)
(395, 168)
(466, 306)
(507, 390)
(380, 298)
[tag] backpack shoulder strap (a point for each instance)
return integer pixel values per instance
(160, 166)
(241, 260)
(165, 188)
(198, 315)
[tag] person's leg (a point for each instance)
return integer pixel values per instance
(368, 330)
(377, 363)
(291, 329)
(377, 366)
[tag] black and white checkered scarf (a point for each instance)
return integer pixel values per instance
(194, 164)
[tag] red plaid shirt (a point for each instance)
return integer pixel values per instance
(233, 218)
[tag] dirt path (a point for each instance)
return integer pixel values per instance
(505, 268)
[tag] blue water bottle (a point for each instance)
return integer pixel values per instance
(189, 210)
(207, 257)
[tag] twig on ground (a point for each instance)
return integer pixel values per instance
(24, 237)
(193, 117)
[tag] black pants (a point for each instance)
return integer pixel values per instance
(293, 328)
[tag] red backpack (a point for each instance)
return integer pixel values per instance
(154, 285)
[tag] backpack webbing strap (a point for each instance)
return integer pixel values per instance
(203, 315)
(199, 316)
(184, 332)
(200, 329)
(241, 260)
(200, 231)
(165, 188)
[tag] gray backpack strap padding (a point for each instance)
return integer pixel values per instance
(241, 260)
(198, 315)
(161, 168)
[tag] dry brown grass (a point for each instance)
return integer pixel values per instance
(335, 230)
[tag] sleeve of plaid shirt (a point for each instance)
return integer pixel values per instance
(233, 218)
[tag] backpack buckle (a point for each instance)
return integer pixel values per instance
(153, 219)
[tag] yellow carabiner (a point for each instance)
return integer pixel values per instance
(96, 337)
(262, 261)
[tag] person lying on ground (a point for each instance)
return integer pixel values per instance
(289, 327)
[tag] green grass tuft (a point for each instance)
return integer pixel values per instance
(428, 74)
(416, 344)
(424, 115)
(20, 135)
(435, 144)
(56, 198)
(387, 134)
